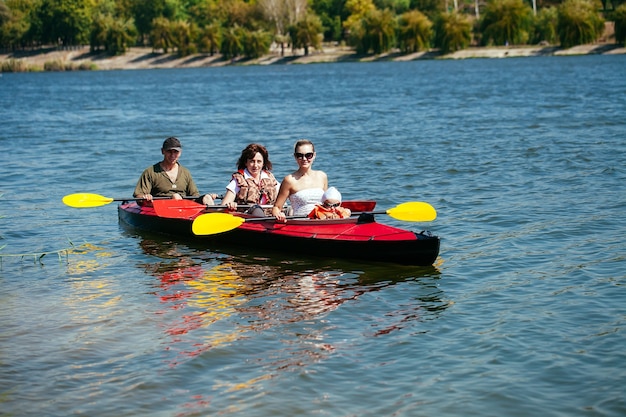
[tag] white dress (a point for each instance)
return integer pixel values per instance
(303, 201)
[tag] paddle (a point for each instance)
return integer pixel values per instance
(177, 209)
(184, 209)
(213, 223)
(87, 200)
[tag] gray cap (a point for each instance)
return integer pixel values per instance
(172, 143)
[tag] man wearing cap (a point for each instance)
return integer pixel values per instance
(169, 178)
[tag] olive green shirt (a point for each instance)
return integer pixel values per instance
(154, 181)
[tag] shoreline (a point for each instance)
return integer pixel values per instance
(146, 58)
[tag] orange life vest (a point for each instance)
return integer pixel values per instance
(321, 212)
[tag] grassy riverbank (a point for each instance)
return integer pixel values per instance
(52, 59)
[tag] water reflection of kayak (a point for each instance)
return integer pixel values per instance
(352, 238)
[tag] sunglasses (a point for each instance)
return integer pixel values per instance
(331, 205)
(307, 155)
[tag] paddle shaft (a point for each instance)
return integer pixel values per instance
(207, 206)
(269, 218)
(163, 198)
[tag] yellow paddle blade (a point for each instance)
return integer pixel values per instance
(84, 200)
(213, 223)
(413, 211)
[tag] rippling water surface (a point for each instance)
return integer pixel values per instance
(522, 314)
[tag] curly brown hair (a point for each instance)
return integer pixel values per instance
(250, 151)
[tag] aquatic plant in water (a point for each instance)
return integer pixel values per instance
(38, 256)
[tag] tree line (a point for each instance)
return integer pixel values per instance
(248, 28)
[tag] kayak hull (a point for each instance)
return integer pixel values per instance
(345, 239)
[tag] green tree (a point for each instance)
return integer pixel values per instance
(380, 30)
(121, 35)
(414, 31)
(99, 27)
(355, 23)
(161, 36)
(256, 43)
(183, 37)
(546, 26)
(453, 31)
(13, 27)
(235, 13)
(5, 19)
(579, 23)
(357, 10)
(23, 28)
(506, 21)
(144, 13)
(620, 24)
(5, 14)
(307, 33)
(118, 9)
(111, 34)
(210, 38)
(431, 8)
(232, 41)
(332, 13)
(614, 4)
(398, 6)
(64, 21)
(356, 36)
(122, 9)
(203, 12)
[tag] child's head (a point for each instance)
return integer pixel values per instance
(331, 198)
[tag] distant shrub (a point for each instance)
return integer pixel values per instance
(56, 65)
(256, 43)
(546, 26)
(579, 23)
(14, 65)
(374, 32)
(210, 38)
(59, 65)
(453, 32)
(182, 36)
(620, 24)
(113, 34)
(414, 31)
(87, 66)
(232, 42)
(506, 21)
(307, 33)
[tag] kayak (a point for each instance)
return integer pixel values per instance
(358, 237)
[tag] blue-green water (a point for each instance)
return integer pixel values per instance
(523, 313)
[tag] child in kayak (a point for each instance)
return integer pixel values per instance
(330, 208)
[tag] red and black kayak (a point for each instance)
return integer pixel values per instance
(357, 237)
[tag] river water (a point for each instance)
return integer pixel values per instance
(523, 313)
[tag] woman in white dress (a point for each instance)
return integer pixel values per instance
(304, 188)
